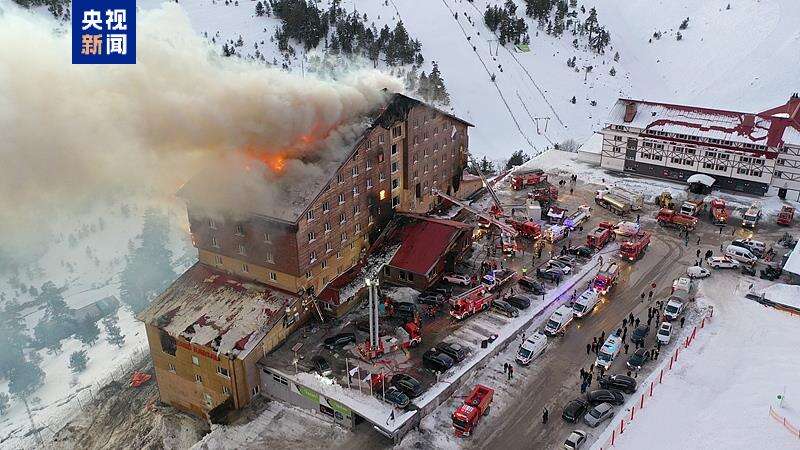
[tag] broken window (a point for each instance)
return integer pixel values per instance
(168, 344)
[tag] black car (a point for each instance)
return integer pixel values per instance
(339, 340)
(396, 397)
(407, 384)
(637, 359)
(321, 366)
(569, 260)
(406, 311)
(771, 273)
(639, 334)
(552, 274)
(624, 383)
(533, 286)
(582, 251)
(437, 361)
(504, 308)
(430, 298)
(559, 264)
(605, 396)
(456, 351)
(574, 410)
(519, 301)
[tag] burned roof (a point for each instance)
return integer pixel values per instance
(226, 188)
(210, 308)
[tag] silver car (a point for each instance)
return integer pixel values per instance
(598, 414)
(575, 440)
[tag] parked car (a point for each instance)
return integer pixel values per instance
(557, 263)
(757, 248)
(408, 384)
(437, 361)
(664, 333)
(623, 383)
(339, 340)
(771, 273)
(504, 308)
(321, 366)
(454, 278)
(551, 274)
(533, 286)
(598, 415)
(575, 440)
(582, 251)
(567, 259)
(519, 301)
(722, 262)
(674, 309)
(740, 254)
(598, 396)
(639, 334)
(430, 298)
(406, 311)
(695, 272)
(396, 397)
(637, 360)
(574, 410)
(456, 351)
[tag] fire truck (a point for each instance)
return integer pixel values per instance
(581, 215)
(635, 248)
(526, 228)
(718, 213)
(614, 204)
(471, 302)
(692, 207)
(600, 236)
(476, 405)
(751, 217)
(545, 194)
(404, 337)
(534, 177)
(555, 215)
(670, 218)
(606, 277)
(786, 216)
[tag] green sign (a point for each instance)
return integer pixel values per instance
(339, 407)
(308, 393)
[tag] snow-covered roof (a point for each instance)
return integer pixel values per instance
(793, 262)
(771, 128)
(592, 145)
(702, 179)
(206, 307)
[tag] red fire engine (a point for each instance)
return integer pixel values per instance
(476, 405)
(606, 277)
(786, 215)
(634, 249)
(526, 228)
(525, 179)
(601, 235)
(470, 302)
(670, 218)
(718, 212)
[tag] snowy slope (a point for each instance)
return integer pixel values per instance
(716, 63)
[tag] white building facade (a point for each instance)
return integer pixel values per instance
(743, 152)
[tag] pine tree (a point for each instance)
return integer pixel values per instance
(517, 158)
(616, 56)
(4, 403)
(259, 9)
(78, 361)
(87, 332)
(612, 72)
(679, 36)
(437, 88)
(685, 24)
(25, 378)
(573, 100)
(13, 339)
(424, 89)
(114, 335)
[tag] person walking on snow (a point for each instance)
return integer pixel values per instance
(544, 416)
(626, 349)
(588, 348)
(683, 319)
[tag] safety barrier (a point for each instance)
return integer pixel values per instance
(657, 378)
(785, 422)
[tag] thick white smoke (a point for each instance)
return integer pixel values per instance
(69, 134)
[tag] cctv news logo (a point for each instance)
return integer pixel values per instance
(103, 32)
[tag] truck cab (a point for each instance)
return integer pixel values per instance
(751, 217)
(606, 277)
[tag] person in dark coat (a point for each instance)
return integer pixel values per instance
(583, 387)
(637, 322)
(505, 368)
(588, 348)
(683, 319)
(626, 349)
(510, 372)
(650, 295)
(642, 297)
(602, 337)
(545, 413)
(630, 318)
(624, 322)
(698, 252)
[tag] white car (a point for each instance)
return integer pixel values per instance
(697, 272)
(664, 333)
(723, 262)
(457, 279)
(575, 440)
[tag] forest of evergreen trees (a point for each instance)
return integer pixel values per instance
(559, 16)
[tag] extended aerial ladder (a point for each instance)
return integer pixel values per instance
(504, 227)
(497, 208)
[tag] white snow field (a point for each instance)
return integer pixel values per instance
(719, 393)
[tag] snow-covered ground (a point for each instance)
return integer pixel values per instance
(90, 276)
(719, 394)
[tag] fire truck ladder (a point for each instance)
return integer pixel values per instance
(504, 227)
(486, 184)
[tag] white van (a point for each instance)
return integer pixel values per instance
(531, 348)
(558, 321)
(608, 351)
(740, 254)
(556, 233)
(585, 303)
(673, 309)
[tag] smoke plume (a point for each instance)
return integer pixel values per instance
(72, 134)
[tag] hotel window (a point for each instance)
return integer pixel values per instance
(267, 238)
(195, 360)
(312, 236)
(356, 209)
(425, 136)
(242, 249)
(310, 215)
(397, 131)
(394, 167)
(226, 390)
(328, 247)
(341, 198)
(211, 224)
(395, 183)
(198, 378)
(354, 171)
(369, 164)
(395, 201)
(394, 149)
(328, 227)
(381, 139)
(367, 144)
(214, 242)
(358, 228)
(270, 258)
(382, 176)
(309, 274)
(416, 140)
(338, 255)
(326, 206)
(355, 190)
(355, 155)
(255, 390)
(342, 218)
(425, 153)
(324, 266)
(380, 157)
(339, 178)
(369, 183)
(245, 268)
(344, 237)
(618, 138)
(223, 371)
(273, 276)
(172, 367)
(416, 123)
(312, 256)
(218, 260)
